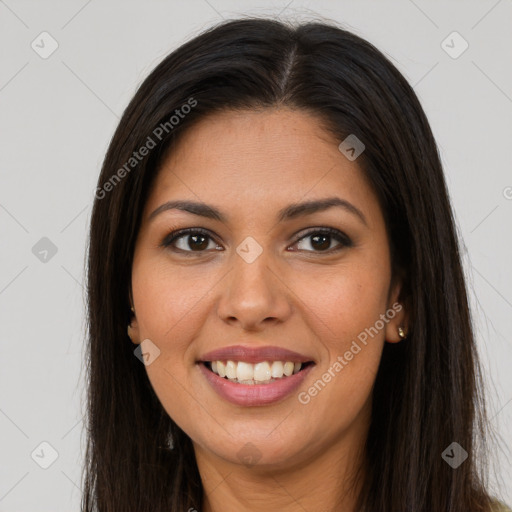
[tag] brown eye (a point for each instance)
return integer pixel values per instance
(321, 239)
(190, 240)
(197, 240)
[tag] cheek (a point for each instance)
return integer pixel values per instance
(344, 302)
(342, 312)
(343, 308)
(170, 304)
(171, 301)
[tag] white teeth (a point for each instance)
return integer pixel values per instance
(244, 371)
(231, 370)
(262, 371)
(277, 369)
(247, 373)
(288, 368)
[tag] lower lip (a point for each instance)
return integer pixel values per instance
(254, 394)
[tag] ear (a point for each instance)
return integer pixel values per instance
(397, 315)
(133, 331)
(133, 327)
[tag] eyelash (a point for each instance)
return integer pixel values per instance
(339, 236)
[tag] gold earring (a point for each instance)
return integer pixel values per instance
(401, 333)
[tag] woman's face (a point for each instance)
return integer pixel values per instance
(257, 277)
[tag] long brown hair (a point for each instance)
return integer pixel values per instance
(427, 392)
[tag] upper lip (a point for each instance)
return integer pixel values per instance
(254, 354)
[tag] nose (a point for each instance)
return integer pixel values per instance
(254, 294)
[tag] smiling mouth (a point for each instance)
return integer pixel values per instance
(264, 372)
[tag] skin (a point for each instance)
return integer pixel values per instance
(313, 300)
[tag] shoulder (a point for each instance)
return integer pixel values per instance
(500, 507)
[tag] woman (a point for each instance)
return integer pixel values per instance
(272, 223)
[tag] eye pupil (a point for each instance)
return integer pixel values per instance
(324, 244)
(199, 246)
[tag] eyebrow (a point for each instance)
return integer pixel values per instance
(292, 211)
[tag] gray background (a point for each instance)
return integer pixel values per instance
(57, 117)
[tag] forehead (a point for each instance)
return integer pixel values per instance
(249, 159)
